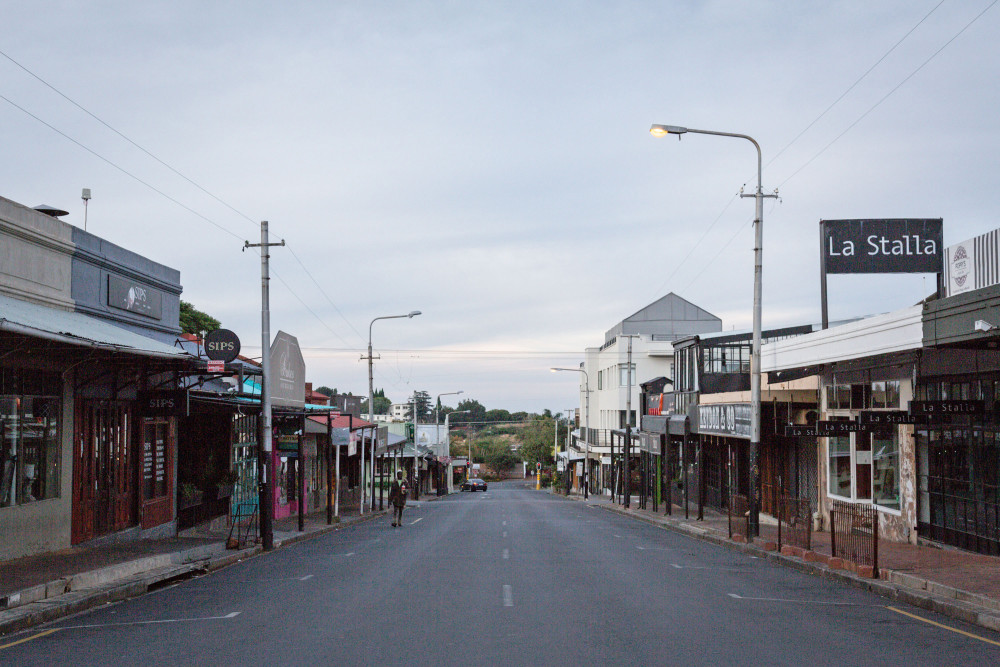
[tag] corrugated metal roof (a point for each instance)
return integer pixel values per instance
(32, 319)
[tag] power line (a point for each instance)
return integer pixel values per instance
(887, 95)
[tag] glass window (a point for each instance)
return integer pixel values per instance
(623, 375)
(29, 449)
(840, 465)
(885, 470)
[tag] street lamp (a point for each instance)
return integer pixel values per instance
(447, 437)
(586, 465)
(754, 519)
(437, 412)
(371, 401)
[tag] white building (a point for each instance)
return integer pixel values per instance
(401, 412)
(651, 331)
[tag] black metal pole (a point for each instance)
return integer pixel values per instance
(329, 469)
(300, 481)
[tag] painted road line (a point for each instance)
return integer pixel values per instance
(306, 578)
(706, 567)
(504, 523)
(506, 554)
(940, 625)
(823, 602)
(508, 596)
(232, 614)
(28, 639)
(417, 521)
(349, 553)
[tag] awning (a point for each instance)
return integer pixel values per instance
(679, 425)
(66, 326)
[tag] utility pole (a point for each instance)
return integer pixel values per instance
(264, 451)
(627, 450)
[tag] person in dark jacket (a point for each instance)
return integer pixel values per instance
(397, 497)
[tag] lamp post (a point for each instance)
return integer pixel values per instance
(754, 519)
(371, 399)
(447, 436)
(586, 464)
(437, 431)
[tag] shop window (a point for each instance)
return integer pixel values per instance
(885, 470)
(840, 466)
(29, 449)
(885, 395)
(155, 454)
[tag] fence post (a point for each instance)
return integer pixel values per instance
(833, 532)
(875, 529)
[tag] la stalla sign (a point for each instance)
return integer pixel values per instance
(902, 245)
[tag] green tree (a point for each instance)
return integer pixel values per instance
(537, 440)
(423, 401)
(497, 416)
(326, 391)
(193, 321)
(477, 412)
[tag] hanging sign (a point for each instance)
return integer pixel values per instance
(800, 431)
(827, 428)
(890, 418)
(222, 345)
(948, 407)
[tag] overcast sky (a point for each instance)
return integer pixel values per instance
(489, 163)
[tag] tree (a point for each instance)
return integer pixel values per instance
(537, 441)
(423, 401)
(477, 412)
(497, 416)
(382, 405)
(193, 321)
(326, 391)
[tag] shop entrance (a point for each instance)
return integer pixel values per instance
(104, 479)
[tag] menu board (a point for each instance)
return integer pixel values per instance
(154, 460)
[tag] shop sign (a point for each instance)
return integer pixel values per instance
(948, 407)
(287, 372)
(287, 442)
(134, 297)
(168, 403)
(800, 431)
(890, 417)
(908, 245)
(222, 345)
(826, 428)
(725, 419)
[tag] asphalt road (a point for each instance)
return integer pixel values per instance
(513, 577)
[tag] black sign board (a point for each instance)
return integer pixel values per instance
(891, 417)
(134, 297)
(825, 428)
(800, 431)
(882, 246)
(168, 403)
(948, 407)
(222, 345)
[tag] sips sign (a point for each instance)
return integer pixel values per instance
(222, 345)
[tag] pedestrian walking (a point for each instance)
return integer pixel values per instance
(397, 497)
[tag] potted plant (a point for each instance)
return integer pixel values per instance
(225, 483)
(190, 495)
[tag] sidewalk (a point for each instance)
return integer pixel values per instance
(39, 589)
(959, 584)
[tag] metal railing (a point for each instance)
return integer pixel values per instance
(854, 533)
(794, 522)
(739, 516)
(245, 524)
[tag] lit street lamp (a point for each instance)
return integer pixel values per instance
(586, 440)
(754, 519)
(371, 402)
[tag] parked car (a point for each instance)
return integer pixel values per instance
(474, 484)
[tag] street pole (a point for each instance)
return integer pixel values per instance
(371, 398)
(628, 426)
(586, 440)
(447, 435)
(266, 497)
(753, 526)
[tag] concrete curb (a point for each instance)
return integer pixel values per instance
(964, 606)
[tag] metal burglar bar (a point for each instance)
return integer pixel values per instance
(794, 522)
(854, 533)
